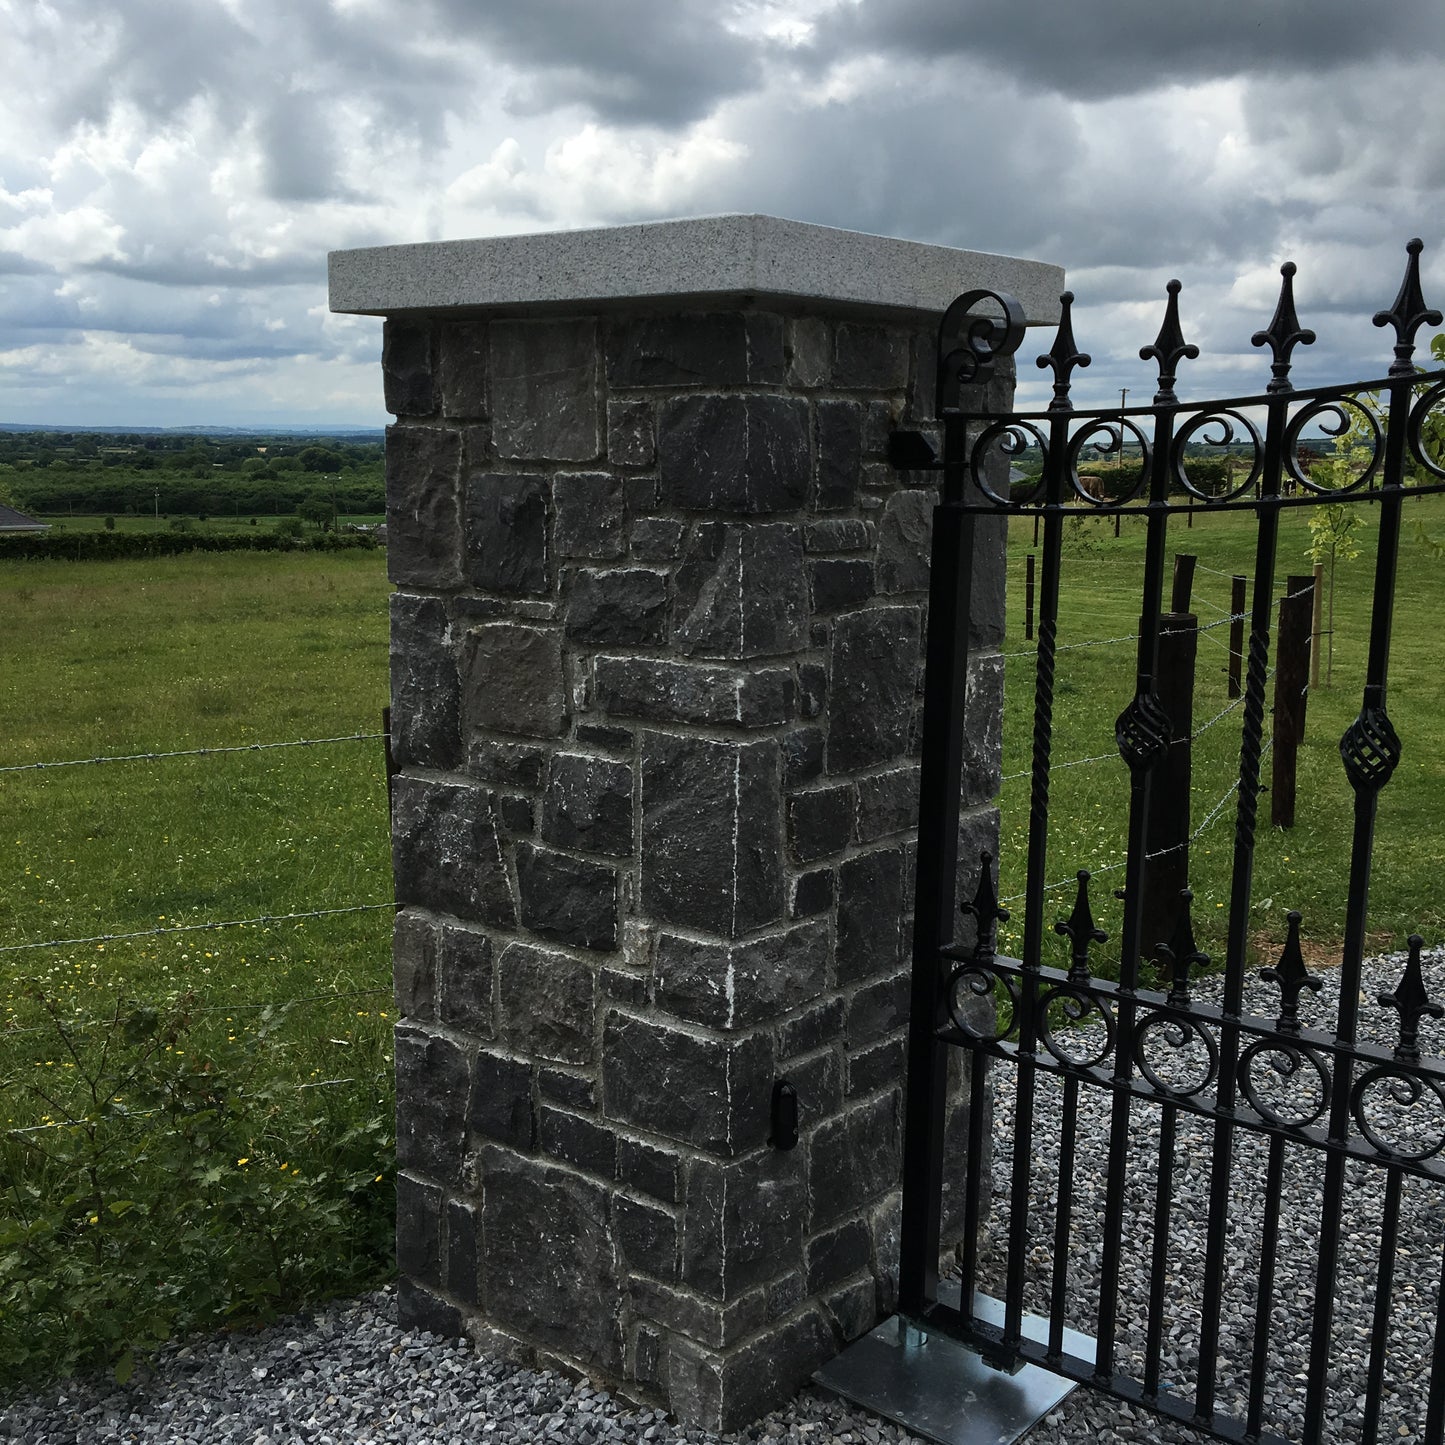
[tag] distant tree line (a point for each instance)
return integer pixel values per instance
(175, 475)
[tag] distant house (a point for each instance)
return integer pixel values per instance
(13, 521)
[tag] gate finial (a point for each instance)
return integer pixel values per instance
(1064, 355)
(1081, 930)
(1412, 1003)
(1168, 347)
(985, 910)
(1181, 953)
(1409, 313)
(970, 342)
(1291, 974)
(1284, 332)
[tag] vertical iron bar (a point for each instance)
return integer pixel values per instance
(1264, 1294)
(1251, 745)
(1063, 1216)
(1357, 906)
(941, 768)
(1435, 1409)
(1236, 634)
(1384, 1283)
(1163, 1197)
(1029, 593)
(973, 1184)
(1036, 880)
(1156, 538)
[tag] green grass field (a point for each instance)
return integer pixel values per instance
(286, 1023)
(144, 523)
(1305, 867)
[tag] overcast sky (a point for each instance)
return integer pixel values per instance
(173, 172)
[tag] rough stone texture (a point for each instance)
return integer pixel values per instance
(507, 532)
(710, 848)
(544, 394)
(656, 698)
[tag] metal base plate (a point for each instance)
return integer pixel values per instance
(935, 1387)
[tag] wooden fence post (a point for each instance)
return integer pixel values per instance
(1236, 634)
(1167, 870)
(1316, 623)
(1029, 595)
(1291, 676)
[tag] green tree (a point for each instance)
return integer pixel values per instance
(1335, 527)
(315, 510)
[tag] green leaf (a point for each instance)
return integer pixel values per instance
(124, 1367)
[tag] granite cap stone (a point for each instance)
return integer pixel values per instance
(693, 261)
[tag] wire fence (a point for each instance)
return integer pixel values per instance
(191, 752)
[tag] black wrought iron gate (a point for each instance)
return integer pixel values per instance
(1248, 1084)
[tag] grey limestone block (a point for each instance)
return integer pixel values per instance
(414, 964)
(983, 728)
(591, 509)
(878, 1008)
(725, 1392)
(818, 1079)
(712, 1092)
(838, 443)
(820, 822)
(409, 387)
(711, 836)
(812, 893)
(499, 1106)
(656, 539)
(571, 900)
(816, 1027)
(873, 669)
(575, 1139)
(802, 756)
(838, 534)
(743, 1222)
(547, 1229)
(852, 1309)
(512, 679)
(839, 584)
(879, 1066)
(618, 607)
(737, 985)
(702, 1321)
(445, 852)
(418, 1229)
(886, 1223)
(432, 1082)
(812, 688)
(631, 434)
(423, 507)
(647, 1237)
(462, 369)
(425, 684)
(739, 454)
(871, 357)
(547, 1002)
(588, 804)
(870, 914)
(512, 765)
(854, 1160)
(463, 1261)
(575, 1088)
(544, 390)
(418, 1308)
(741, 592)
(837, 1254)
(657, 690)
(905, 534)
(464, 979)
(723, 348)
(810, 351)
(649, 1169)
(887, 803)
(508, 532)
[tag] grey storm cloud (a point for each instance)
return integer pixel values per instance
(1126, 47)
(630, 61)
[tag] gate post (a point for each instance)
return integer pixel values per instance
(656, 648)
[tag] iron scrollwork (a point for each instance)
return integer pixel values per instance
(970, 340)
(1179, 1070)
(977, 978)
(1230, 424)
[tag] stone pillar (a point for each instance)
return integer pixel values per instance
(655, 667)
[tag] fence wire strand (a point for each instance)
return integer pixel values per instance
(191, 753)
(194, 927)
